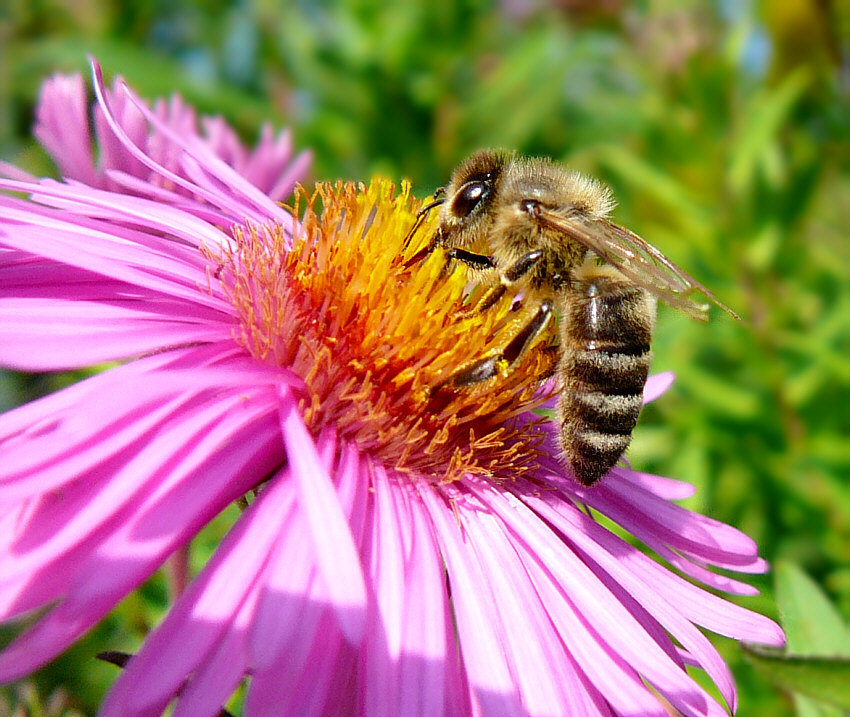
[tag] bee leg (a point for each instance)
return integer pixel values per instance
(420, 255)
(511, 275)
(492, 366)
(481, 262)
(522, 266)
(489, 298)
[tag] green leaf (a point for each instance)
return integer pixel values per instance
(823, 679)
(812, 624)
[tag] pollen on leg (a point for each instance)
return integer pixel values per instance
(374, 335)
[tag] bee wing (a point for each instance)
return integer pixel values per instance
(639, 261)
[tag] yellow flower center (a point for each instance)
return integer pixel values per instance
(376, 341)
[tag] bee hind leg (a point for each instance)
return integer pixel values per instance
(492, 366)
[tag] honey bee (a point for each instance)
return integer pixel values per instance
(533, 225)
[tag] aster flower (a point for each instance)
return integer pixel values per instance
(406, 549)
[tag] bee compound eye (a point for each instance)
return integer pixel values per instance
(469, 197)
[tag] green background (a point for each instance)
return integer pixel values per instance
(723, 128)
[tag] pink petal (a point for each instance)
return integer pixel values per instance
(596, 604)
(82, 512)
(388, 543)
(79, 202)
(62, 126)
(703, 575)
(222, 466)
(45, 335)
(609, 673)
(16, 173)
(666, 488)
(221, 672)
(288, 613)
(71, 443)
(430, 656)
(35, 415)
(113, 153)
(96, 247)
(657, 385)
(320, 685)
(197, 160)
(546, 678)
(204, 612)
(670, 600)
(649, 517)
(410, 647)
(338, 561)
(476, 619)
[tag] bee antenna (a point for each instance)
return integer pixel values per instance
(421, 214)
(429, 206)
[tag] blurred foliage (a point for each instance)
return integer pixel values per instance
(723, 128)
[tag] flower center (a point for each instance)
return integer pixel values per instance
(376, 341)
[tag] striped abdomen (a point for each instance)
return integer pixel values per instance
(605, 340)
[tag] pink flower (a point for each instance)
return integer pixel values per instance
(407, 550)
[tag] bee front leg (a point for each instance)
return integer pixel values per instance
(481, 262)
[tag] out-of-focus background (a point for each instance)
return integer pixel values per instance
(723, 128)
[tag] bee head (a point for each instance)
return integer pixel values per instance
(469, 195)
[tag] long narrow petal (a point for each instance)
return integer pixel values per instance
(220, 673)
(598, 605)
(288, 612)
(299, 656)
(602, 675)
(94, 246)
(657, 385)
(203, 613)
(34, 417)
(86, 507)
(222, 466)
(323, 687)
(108, 211)
(477, 622)
(543, 673)
(254, 204)
(70, 443)
(645, 578)
(62, 127)
(642, 580)
(41, 335)
(430, 660)
(649, 518)
(608, 673)
(388, 543)
(337, 556)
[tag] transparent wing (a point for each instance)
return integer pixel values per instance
(639, 261)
